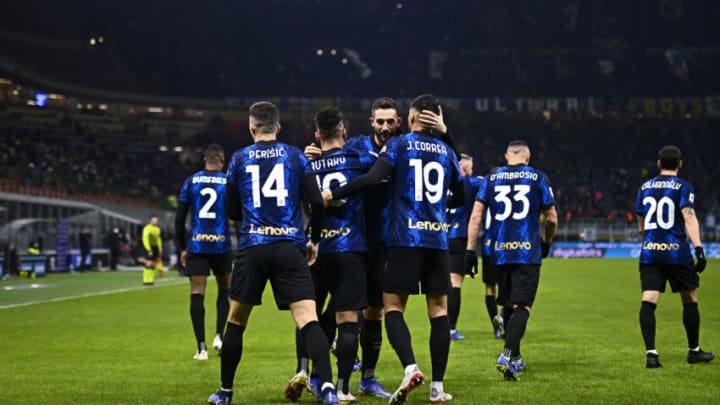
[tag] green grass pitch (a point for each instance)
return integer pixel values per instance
(100, 338)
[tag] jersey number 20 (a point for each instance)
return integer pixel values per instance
(660, 213)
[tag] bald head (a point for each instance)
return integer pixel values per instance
(517, 152)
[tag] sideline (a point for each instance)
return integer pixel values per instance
(158, 284)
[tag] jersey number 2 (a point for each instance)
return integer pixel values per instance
(205, 212)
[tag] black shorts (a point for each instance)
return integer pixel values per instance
(282, 263)
(654, 277)
(374, 267)
(343, 276)
(153, 254)
(456, 256)
(518, 283)
(200, 264)
(409, 266)
(490, 271)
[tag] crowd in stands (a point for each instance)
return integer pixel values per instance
(595, 162)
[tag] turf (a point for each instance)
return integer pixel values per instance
(100, 338)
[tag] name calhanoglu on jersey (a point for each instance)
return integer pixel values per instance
(660, 246)
(208, 237)
(427, 147)
(266, 153)
(333, 233)
(514, 245)
(272, 230)
(672, 185)
(209, 180)
(429, 225)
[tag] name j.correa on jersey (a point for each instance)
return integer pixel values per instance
(427, 147)
(209, 180)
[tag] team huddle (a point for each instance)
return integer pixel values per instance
(370, 220)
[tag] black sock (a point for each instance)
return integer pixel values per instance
(317, 348)
(516, 328)
(231, 354)
(691, 320)
(647, 324)
(439, 346)
(491, 305)
(301, 352)
(453, 306)
(346, 350)
(506, 314)
(399, 337)
(197, 315)
(327, 321)
(223, 307)
(370, 341)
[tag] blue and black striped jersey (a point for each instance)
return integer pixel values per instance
(344, 220)
(516, 195)
(459, 217)
(204, 193)
(424, 167)
(377, 199)
(268, 177)
(660, 201)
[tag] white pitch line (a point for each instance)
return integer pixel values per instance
(74, 297)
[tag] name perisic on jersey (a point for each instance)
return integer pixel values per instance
(266, 153)
(272, 230)
(209, 180)
(429, 225)
(672, 185)
(427, 147)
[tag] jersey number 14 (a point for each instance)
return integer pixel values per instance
(272, 187)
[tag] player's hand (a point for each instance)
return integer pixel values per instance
(701, 261)
(183, 258)
(432, 120)
(327, 197)
(545, 248)
(150, 254)
(471, 263)
(312, 252)
(312, 152)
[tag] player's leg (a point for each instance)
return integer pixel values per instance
(232, 350)
(197, 314)
(652, 283)
(685, 280)
(490, 278)
(346, 349)
(435, 286)
(371, 331)
(457, 275)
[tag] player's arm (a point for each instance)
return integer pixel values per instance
(180, 237)
(159, 239)
(146, 238)
(551, 223)
(476, 220)
(380, 170)
(692, 227)
(641, 225)
(457, 199)
(233, 205)
(312, 151)
(315, 199)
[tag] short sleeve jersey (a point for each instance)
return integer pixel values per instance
(268, 176)
(377, 199)
(423, 168)
(516, 195)
(459, 217)
(660, 201)
(204, 193)
(344, 220)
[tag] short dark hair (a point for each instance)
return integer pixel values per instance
(266, 116)
(383, 103)
(426, 102)
(518, 142)
(669, 157)
(214, 149)
(329, 122)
